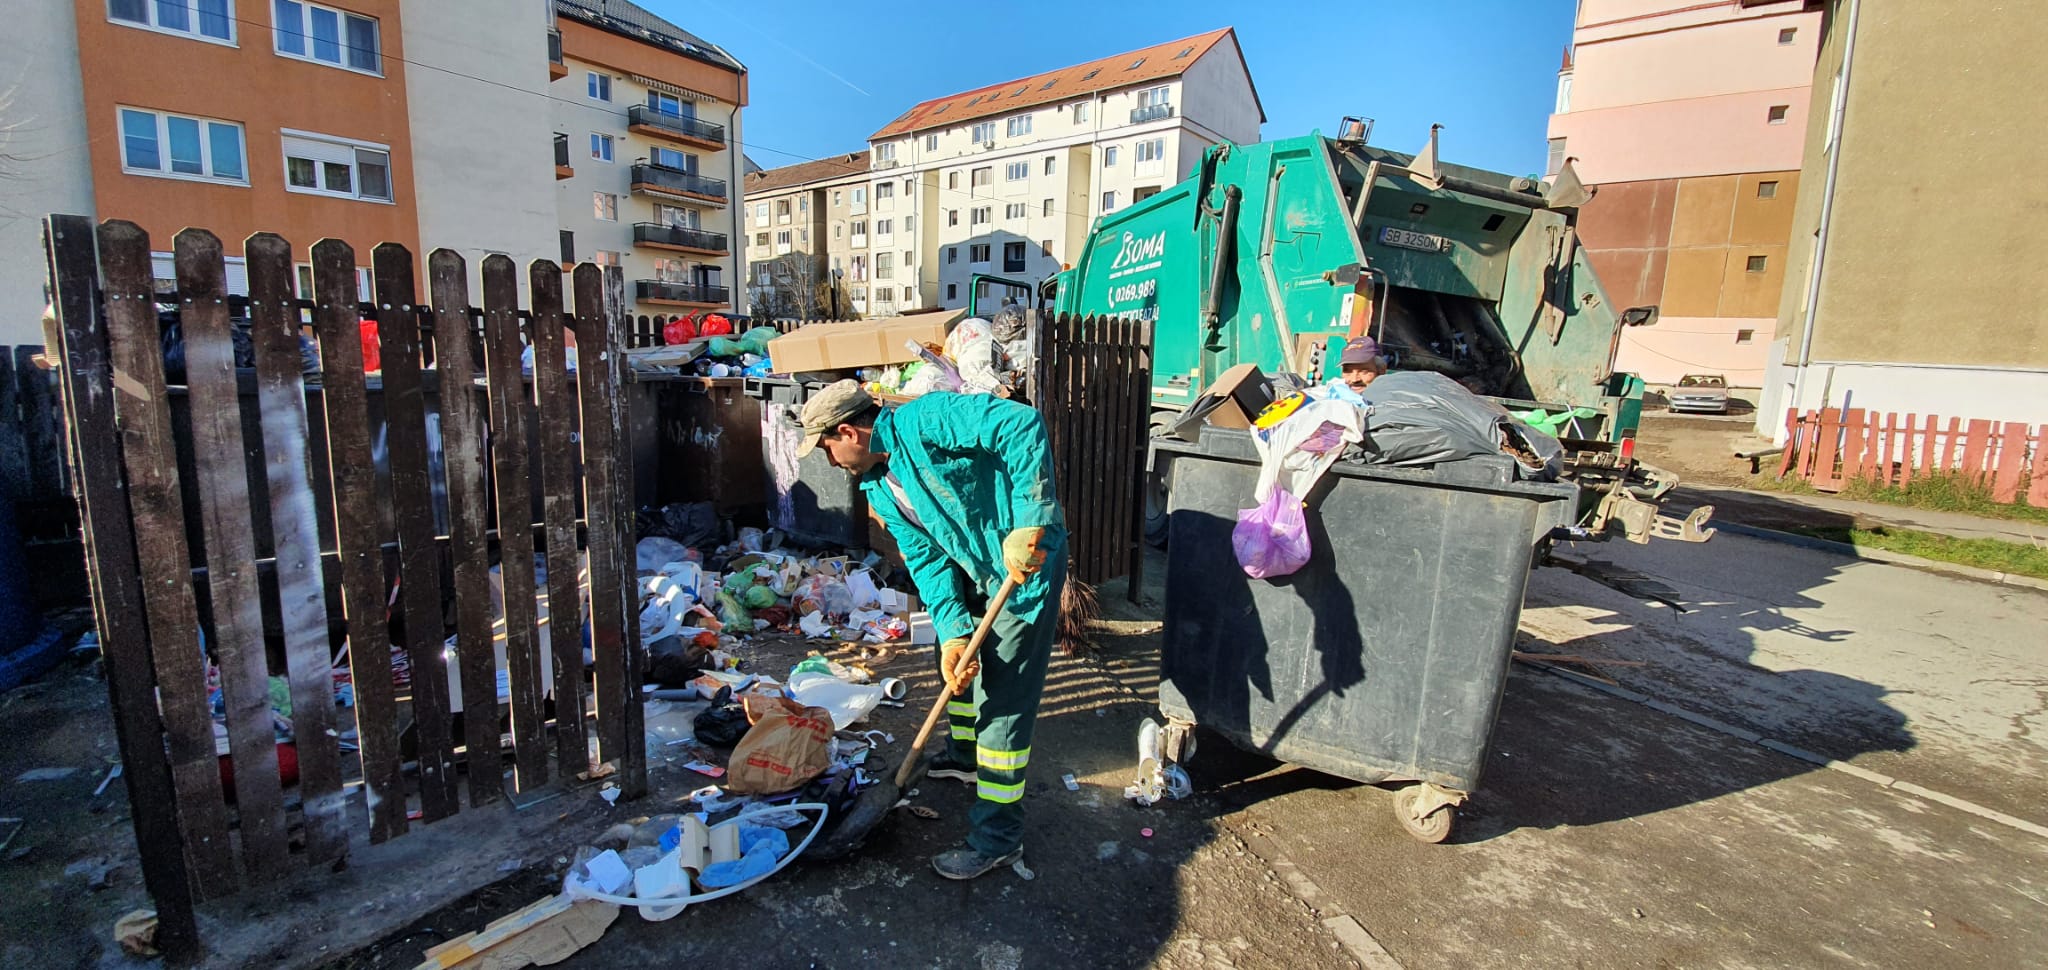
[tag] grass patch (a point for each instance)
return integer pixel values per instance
(1993, 554)
(1944, 493)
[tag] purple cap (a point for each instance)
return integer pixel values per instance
(1361, 350)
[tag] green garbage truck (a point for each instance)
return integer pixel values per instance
(1276, 253)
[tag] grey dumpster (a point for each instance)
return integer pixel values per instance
(1383, 659)
(808, 499)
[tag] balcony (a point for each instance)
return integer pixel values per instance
(681, 294)
(562, 169)
(884, 164)
(654, 235)
(675, 183)
(1155, 112)
(556, 69)
(655, 123)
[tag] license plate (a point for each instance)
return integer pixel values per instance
(1418, 241)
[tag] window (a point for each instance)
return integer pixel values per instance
(886, 190)
(181, 147)
(1020, 125)
(676, 216)
(860, 268)
(760, 239)
(1045, 208)
(1185, 51)
(1090, 76)
(1045, 246)
(837, 199)
(838, 230)
(200, 18)
(782, 211)
(1767, 190)
(1757, 264)
(568, 248)
(952, 255)
(1745, 336)
(1050, 166)
(1016, 171)
(671, 158)
(885, 266)
(952, 180)
(1013, 257)
(803, 204)
(669, 104)
(606, 257)
(604, 206)
(984, 133)
(1556, 162)
(597, 86)
(1786, 36)
(1081, 110)
(1778, 112)
(1108, 201)
(760, 214)
(1153, 97)
(166, 269)
(782, 237)
(1016, 210)
(884, 227)
(910, 224)
(908, 258)
(980, 176)
(952, 291)
(885, 153)
(600, 147)
(1151, 151)
(334, 166)
(952, 217)
(931, 143)
(909, 186)
(859, 202)
(1109, 157)
(977, 253)
(1144, 192)
(316, 33)
(908, 295)
(981, 289)
(1140, 62)
(979, 215)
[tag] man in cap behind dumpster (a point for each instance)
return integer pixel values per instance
(1362, 363)
(963, 482)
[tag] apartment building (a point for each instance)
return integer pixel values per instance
(1689, 118)
(646, 117)
(1913, 244)
(43, 156)
(801, 262)
(1005, 180)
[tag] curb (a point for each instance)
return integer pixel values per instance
(1883, 556)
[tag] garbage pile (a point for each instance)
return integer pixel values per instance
(991, 356)
(707, 345)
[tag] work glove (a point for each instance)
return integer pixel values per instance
(1024, 552)
(957, 666)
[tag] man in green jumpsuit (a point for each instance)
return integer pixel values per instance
(964, 484)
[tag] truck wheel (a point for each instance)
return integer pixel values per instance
(1432, 828)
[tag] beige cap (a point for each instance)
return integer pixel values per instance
(829, 408)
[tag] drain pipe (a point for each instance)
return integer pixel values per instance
(1838, 124)
(1266, 270)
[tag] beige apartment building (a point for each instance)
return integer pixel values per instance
(1911, 281)
(802, 262)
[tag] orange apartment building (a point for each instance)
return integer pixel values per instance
(218, 114)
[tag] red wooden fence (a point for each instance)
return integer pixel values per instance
(1834, 446)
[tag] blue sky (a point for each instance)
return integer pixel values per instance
(826, 75)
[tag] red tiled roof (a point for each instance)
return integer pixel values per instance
(836, 166)
(1149, 64)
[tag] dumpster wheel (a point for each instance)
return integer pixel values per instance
(1427, 812)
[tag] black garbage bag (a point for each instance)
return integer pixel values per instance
(674, 662)
(1422, 418)
(694, 524)
(173, 335)
(724, 723)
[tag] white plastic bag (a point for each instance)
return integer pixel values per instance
(1295, 453)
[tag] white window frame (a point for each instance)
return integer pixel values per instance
(163, 143)
(305, 34)
(611, 147)
(1109, 157)
(983, 133)
(149, 23)
(1153, 97)
(1016, 210)
(978, 254)
(885, 152)
(885, 191)
(590, 79)
(1018, 126)
(979, 215)
(1016, 171)
(1109, 201)
(602, 202)
(1151, 150)
(1051, 164)
(931, 143)
(357, 147)
(1080, 112)
(1047, 208)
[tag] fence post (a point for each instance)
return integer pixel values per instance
(558, 512)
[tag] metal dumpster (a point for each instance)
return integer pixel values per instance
(807, 499)
(1383, 659)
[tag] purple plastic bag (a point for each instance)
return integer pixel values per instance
(1271, 540)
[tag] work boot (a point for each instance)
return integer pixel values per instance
(968, 862)
(943, 766)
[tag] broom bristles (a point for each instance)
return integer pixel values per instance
(1079, 609)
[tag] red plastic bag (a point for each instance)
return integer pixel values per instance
(715, 326)
(678, 331)
(373, 359)
(1272, 540)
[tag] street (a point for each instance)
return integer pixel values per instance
(1607, 833)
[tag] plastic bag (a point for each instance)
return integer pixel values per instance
(1295, 453)
(715, 326)
(782, 752)
(845, 702)
(759, 597)
(723, 724)
(761, 847)
(973, 349)
(1272, 539)
(654, 552)
(678, 331)
(822, 593)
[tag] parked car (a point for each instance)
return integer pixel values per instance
(1703, 393)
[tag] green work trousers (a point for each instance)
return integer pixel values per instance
(990, 725)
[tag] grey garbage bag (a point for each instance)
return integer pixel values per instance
(1422, 418)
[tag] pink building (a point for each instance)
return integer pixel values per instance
(1690, 117)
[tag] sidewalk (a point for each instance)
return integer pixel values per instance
(1779, 510)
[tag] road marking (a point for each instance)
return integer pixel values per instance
(1879, 780)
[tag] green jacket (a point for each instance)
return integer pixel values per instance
(974, 467)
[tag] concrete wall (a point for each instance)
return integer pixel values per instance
(482, 161)
(44, 164)
(1219, 96)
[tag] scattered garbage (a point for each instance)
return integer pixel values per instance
(1158, 779)
(136, 932)
(1068, 780)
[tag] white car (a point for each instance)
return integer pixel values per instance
(1702, 393)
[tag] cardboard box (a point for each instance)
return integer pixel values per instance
(843, 346)
(1239, 395)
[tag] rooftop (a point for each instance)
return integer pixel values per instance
(803, 173)
(629, 19)
(1154, 63)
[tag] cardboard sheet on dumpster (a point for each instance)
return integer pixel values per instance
(839, 346)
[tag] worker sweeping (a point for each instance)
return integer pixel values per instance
(963, 482)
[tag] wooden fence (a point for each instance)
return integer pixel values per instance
(1094, 387)
(157, 614)
(1833, 446)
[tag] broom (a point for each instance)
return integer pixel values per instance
(1079, 609)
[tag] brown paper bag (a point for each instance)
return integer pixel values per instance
(781, 752)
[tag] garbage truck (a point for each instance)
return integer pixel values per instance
(1278, 252)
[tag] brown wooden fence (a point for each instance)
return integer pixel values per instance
(156, 613)
(1833, 446)
(1094, 387)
